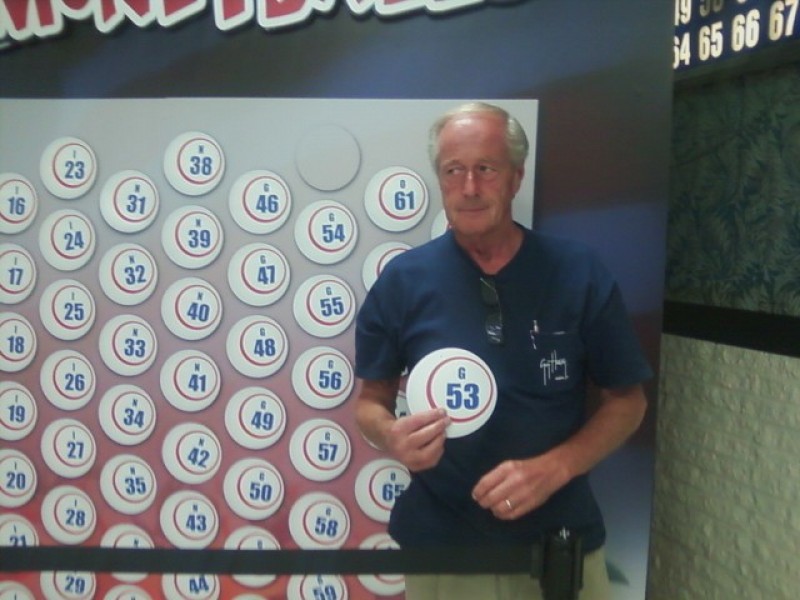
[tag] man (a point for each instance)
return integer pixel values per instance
(548, 319)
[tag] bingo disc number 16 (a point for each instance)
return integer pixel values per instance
(458, 381)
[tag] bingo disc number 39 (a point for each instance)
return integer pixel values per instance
(458, 381)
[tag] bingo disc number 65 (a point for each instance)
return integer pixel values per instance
(458, 381)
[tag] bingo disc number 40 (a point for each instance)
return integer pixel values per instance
(458, 381)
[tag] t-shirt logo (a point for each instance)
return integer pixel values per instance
(554, 368)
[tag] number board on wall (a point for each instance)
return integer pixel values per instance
(179, 283)
(708, 31)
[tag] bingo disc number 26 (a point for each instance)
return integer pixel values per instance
(458, 381)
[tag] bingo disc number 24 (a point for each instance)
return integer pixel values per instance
(458, 381)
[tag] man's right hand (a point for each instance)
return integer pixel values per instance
(417, 440)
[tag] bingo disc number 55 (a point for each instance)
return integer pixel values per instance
(458, 381)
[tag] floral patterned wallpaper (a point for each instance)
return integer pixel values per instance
(734, 215)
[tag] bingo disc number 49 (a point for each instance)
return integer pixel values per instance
(458, 381)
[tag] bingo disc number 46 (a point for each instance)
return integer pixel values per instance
(458, 381)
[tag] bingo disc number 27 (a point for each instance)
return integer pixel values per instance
(458, 381)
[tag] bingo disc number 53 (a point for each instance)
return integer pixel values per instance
(458, 381)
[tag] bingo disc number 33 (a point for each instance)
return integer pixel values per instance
(458, 381)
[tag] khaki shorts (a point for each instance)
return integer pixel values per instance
(506, 587)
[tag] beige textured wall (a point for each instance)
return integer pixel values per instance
(726, 513)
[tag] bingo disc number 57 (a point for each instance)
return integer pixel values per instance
(458, 381)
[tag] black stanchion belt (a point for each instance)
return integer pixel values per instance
(462, 559)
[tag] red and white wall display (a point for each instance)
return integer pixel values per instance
(176, 330)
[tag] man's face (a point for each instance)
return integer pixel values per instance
(476, 177)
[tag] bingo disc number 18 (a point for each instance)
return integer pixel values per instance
(458, 381)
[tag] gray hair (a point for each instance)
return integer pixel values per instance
(516, 139)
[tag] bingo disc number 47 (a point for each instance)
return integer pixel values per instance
(458, 381)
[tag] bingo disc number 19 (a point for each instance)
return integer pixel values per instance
(458, 381)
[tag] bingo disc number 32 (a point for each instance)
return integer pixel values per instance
(458, 381)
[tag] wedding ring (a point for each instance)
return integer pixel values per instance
(509, 505)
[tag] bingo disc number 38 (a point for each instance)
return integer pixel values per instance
(458, 381)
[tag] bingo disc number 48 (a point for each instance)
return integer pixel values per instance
(458, 381)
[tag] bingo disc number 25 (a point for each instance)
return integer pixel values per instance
(458, 381)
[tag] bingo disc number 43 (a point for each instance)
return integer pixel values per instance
(458, 381)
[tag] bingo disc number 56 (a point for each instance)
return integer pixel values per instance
(458, 381)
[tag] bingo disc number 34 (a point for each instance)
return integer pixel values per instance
(458, 381)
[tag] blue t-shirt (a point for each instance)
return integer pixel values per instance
(564, 325)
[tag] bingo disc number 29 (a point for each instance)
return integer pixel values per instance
(458, 381)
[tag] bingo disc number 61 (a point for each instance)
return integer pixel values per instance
(458, 381)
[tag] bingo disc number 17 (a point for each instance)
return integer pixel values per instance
(458, 381)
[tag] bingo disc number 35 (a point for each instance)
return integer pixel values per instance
(458, 381)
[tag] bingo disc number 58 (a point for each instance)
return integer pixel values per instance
(458, 381)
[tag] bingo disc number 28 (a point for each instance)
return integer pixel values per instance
(458, 381)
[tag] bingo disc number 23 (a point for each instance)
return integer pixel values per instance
(458, 381)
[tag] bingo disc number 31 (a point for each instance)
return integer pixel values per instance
(458, 381)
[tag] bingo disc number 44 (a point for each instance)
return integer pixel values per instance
(458, 381)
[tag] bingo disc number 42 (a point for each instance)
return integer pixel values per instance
(458, 381)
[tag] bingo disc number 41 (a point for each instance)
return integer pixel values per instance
(458, 381)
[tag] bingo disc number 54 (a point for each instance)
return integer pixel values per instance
(458, 381)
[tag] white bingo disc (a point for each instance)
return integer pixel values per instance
(458, 381)
(17, 274)
(75, 585)
(191, 452)
(260, 202)
(67, 239)
(127, 414)
(320, 449)
(192, 237)
(255, 418)
(197, 586)
(319, 520)
(328, 157)
(18, 411)
(19, 342)
(191, 308)
(20, 203)
(16, 530)
(68, 168)
(68, 448)
(251, 537)
(253, 489)
(18, 478)
(378, 485)
(324, 306)
(68, 379)
(68, 514)
(322, 377)
(440, 224)
(128, 345)
(189, 520)
(315, 587)
(190, 380)
(259, 274)
(14, 590)
(126, 591)
(128, 483)
(378, 259)
(382, 584)
(326, 232)
(67, 309)
(396, 199)
(129, 201)
(257, 346)
(127, 535)
(194, 163)
(128, 274)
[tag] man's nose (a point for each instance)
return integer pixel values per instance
(470, 183)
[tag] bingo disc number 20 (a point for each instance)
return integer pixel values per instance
(458, 381)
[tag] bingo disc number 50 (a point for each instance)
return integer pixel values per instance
(458, 381)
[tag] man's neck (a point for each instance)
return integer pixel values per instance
(492, 253)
